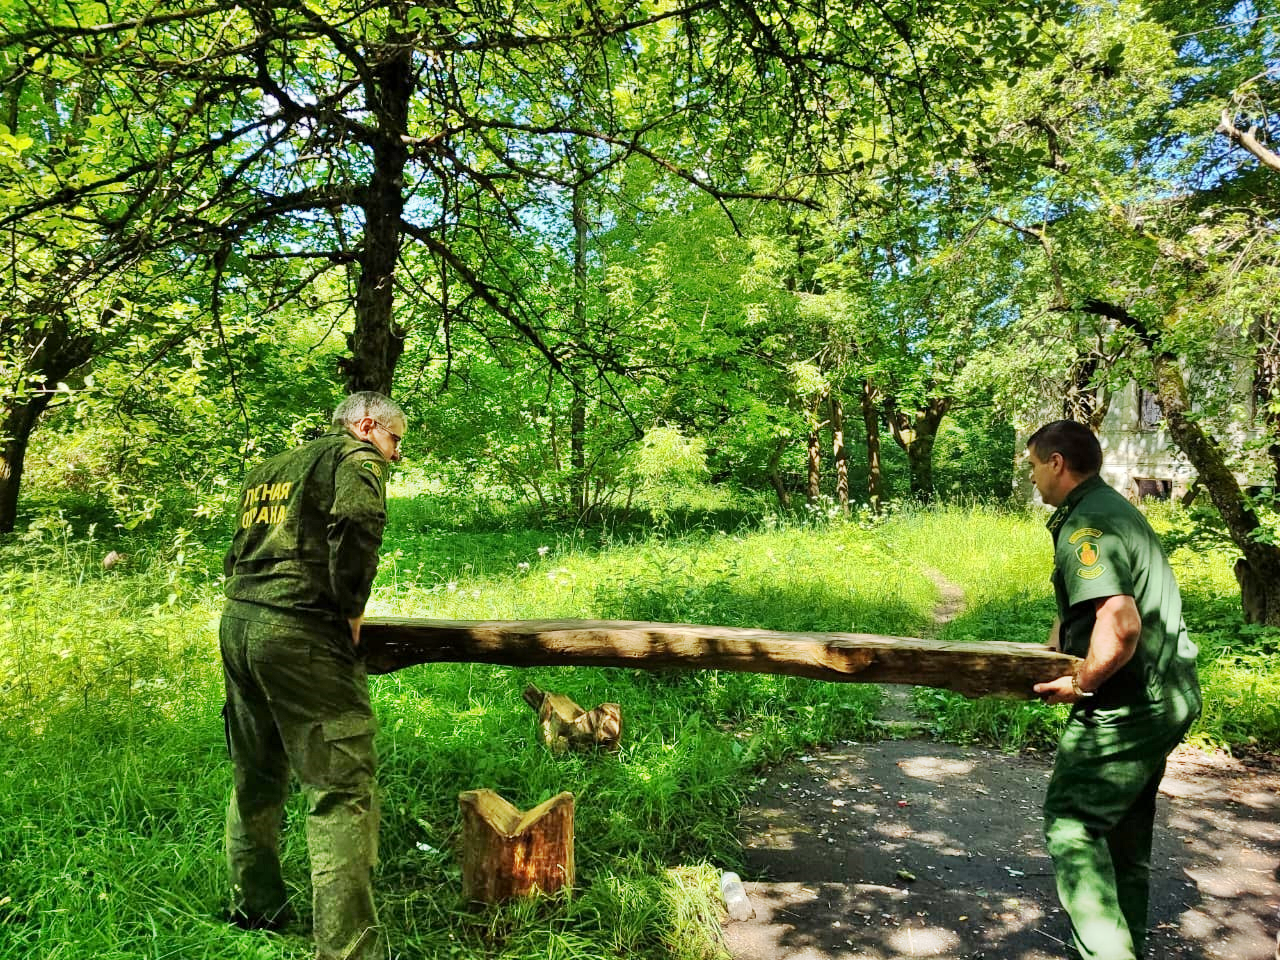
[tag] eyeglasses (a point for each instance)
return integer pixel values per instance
(395, 437)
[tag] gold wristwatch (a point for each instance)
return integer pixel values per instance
(1076, 689)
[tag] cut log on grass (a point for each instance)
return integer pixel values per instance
(975, 669)
(506, 853)
(564, 724)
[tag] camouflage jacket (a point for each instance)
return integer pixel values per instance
(308, 530)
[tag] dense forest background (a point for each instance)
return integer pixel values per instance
(610, 255)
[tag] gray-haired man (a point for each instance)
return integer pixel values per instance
(302, 561)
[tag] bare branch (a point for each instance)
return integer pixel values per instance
(1247, 139)
(484, 291)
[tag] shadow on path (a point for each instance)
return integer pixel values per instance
(911, 848)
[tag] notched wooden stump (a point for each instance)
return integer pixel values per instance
(506, 853)
(564, 724)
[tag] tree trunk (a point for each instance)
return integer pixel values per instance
(813, 485)
(18, 418)
(775, 475)
(813, 481)
(840, 452)
(1266, 386)
(54, 353)
(916, 433)
(920, 463)
(578, 404)
(871, 421)
(1084, 402)
(377, 341)
(1258, 571)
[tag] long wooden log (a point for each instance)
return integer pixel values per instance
(987, 668)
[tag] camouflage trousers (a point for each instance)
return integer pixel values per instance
(1099, 812)
(298, 700)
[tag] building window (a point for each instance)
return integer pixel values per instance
(1153, 488)
(1150, 416)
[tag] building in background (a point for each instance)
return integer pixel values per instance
(1140, 458)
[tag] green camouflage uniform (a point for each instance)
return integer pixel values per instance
(301, 564)
(1100, 805)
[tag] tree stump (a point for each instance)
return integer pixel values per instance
(506, 853)
(564, 724)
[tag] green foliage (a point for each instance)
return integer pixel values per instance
(78, 633)
(1200, 526)
(974, 456)
(168, 449)
(1012, 726)
(1237, 659)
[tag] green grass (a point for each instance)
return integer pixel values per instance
(111, 823)
(1239, 662)
(1002, 559)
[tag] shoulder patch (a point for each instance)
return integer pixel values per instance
(373, 467)
(1086, 532)
(1087, 553)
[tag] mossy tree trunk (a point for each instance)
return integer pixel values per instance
(1258, 569)
(916, 432)
(871, 421)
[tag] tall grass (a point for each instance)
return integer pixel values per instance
(1002, 558)
(111, 820)
(110, 831)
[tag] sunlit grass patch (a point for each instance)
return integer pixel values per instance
(1242, 700)
(1003, 557)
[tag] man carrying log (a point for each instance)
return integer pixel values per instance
(299, 571)
(1134, 695)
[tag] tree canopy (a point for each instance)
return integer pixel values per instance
(556, 228)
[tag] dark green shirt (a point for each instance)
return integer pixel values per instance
(308, 530)
(1104, 547)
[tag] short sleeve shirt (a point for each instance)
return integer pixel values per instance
(1104, 547)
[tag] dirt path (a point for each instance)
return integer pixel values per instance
(911, 848)
(896, 717)
(950, 599)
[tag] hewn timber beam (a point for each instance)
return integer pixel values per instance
(988, 668)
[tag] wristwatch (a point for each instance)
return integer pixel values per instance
(1076, 689)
